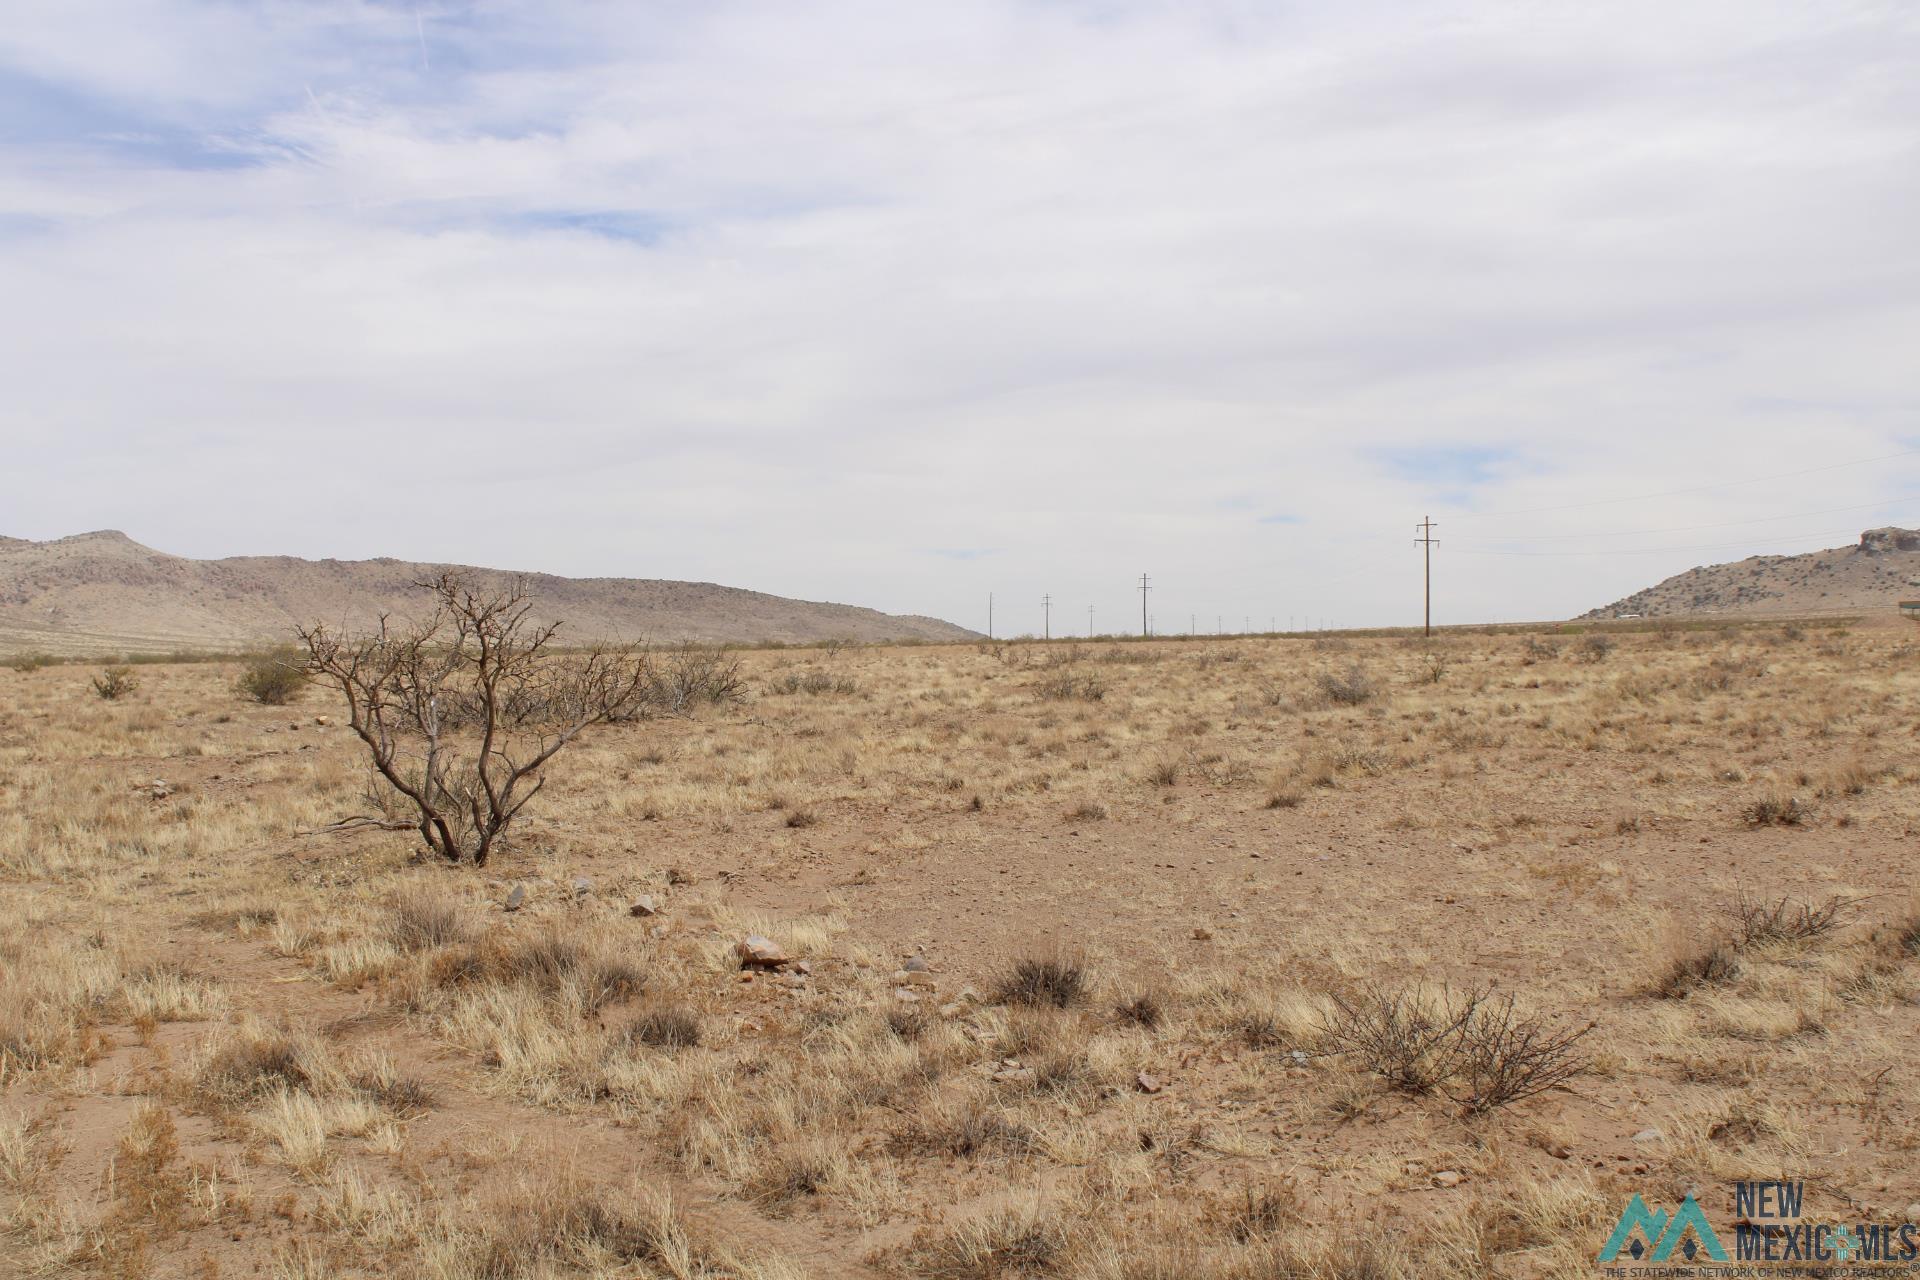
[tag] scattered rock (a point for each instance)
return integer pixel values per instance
(913, 978)
(801, 966)
(917, 964)
(516, 898)
(1148, 1083)
(1449, 1178)
(323, 721)
(760, 952)
(1201, 933)
(294, 725)
(644, 905)
(1010, 1070)
(582, 886)
(1648, 1135)
(905, 996)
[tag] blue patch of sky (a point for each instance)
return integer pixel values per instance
(634, 225)
(36, 113)
(1448, 473)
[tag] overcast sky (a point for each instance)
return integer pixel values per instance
(900, 304)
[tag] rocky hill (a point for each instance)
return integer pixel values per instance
(1875, 575)
(104, 593)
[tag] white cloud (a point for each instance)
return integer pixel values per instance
(787, 296)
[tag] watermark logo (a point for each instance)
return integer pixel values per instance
(1646, 1233)
(1769, 1228)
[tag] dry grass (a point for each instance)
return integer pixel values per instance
(1201, 1023)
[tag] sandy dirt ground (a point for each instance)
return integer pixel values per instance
(1121, 960)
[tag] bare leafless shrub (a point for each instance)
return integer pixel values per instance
(813, 683)
(1410, 1040)
(1055, 980)
(1417, 1042)
(1757, 923)
(1064, 686)
(1776, 809)
(692, 676)
(1126, 655)
(1506, 1056)
(466, 786)
(1349, 690)
(1597, 647)
(1065, 656)
(115, 683)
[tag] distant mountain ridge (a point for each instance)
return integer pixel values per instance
(1875, 574)
(102, 592)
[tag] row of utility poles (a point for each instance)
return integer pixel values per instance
(1426, 541)
(1146, 619)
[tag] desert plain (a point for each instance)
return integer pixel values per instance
(1212, 958)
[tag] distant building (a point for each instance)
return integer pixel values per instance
(1911, 608)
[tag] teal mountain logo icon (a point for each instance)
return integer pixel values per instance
(1643, 1233)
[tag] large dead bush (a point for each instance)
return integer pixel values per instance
(461, 713)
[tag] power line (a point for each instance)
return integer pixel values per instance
(1144, 588)
(1426, 539)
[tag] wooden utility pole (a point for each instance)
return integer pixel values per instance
(1144, 588)
(1426, 541)
(1089, 622)
(1046, 614)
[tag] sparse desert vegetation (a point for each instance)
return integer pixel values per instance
(1102, 961)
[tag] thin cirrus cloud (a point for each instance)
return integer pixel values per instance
(903, 307)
